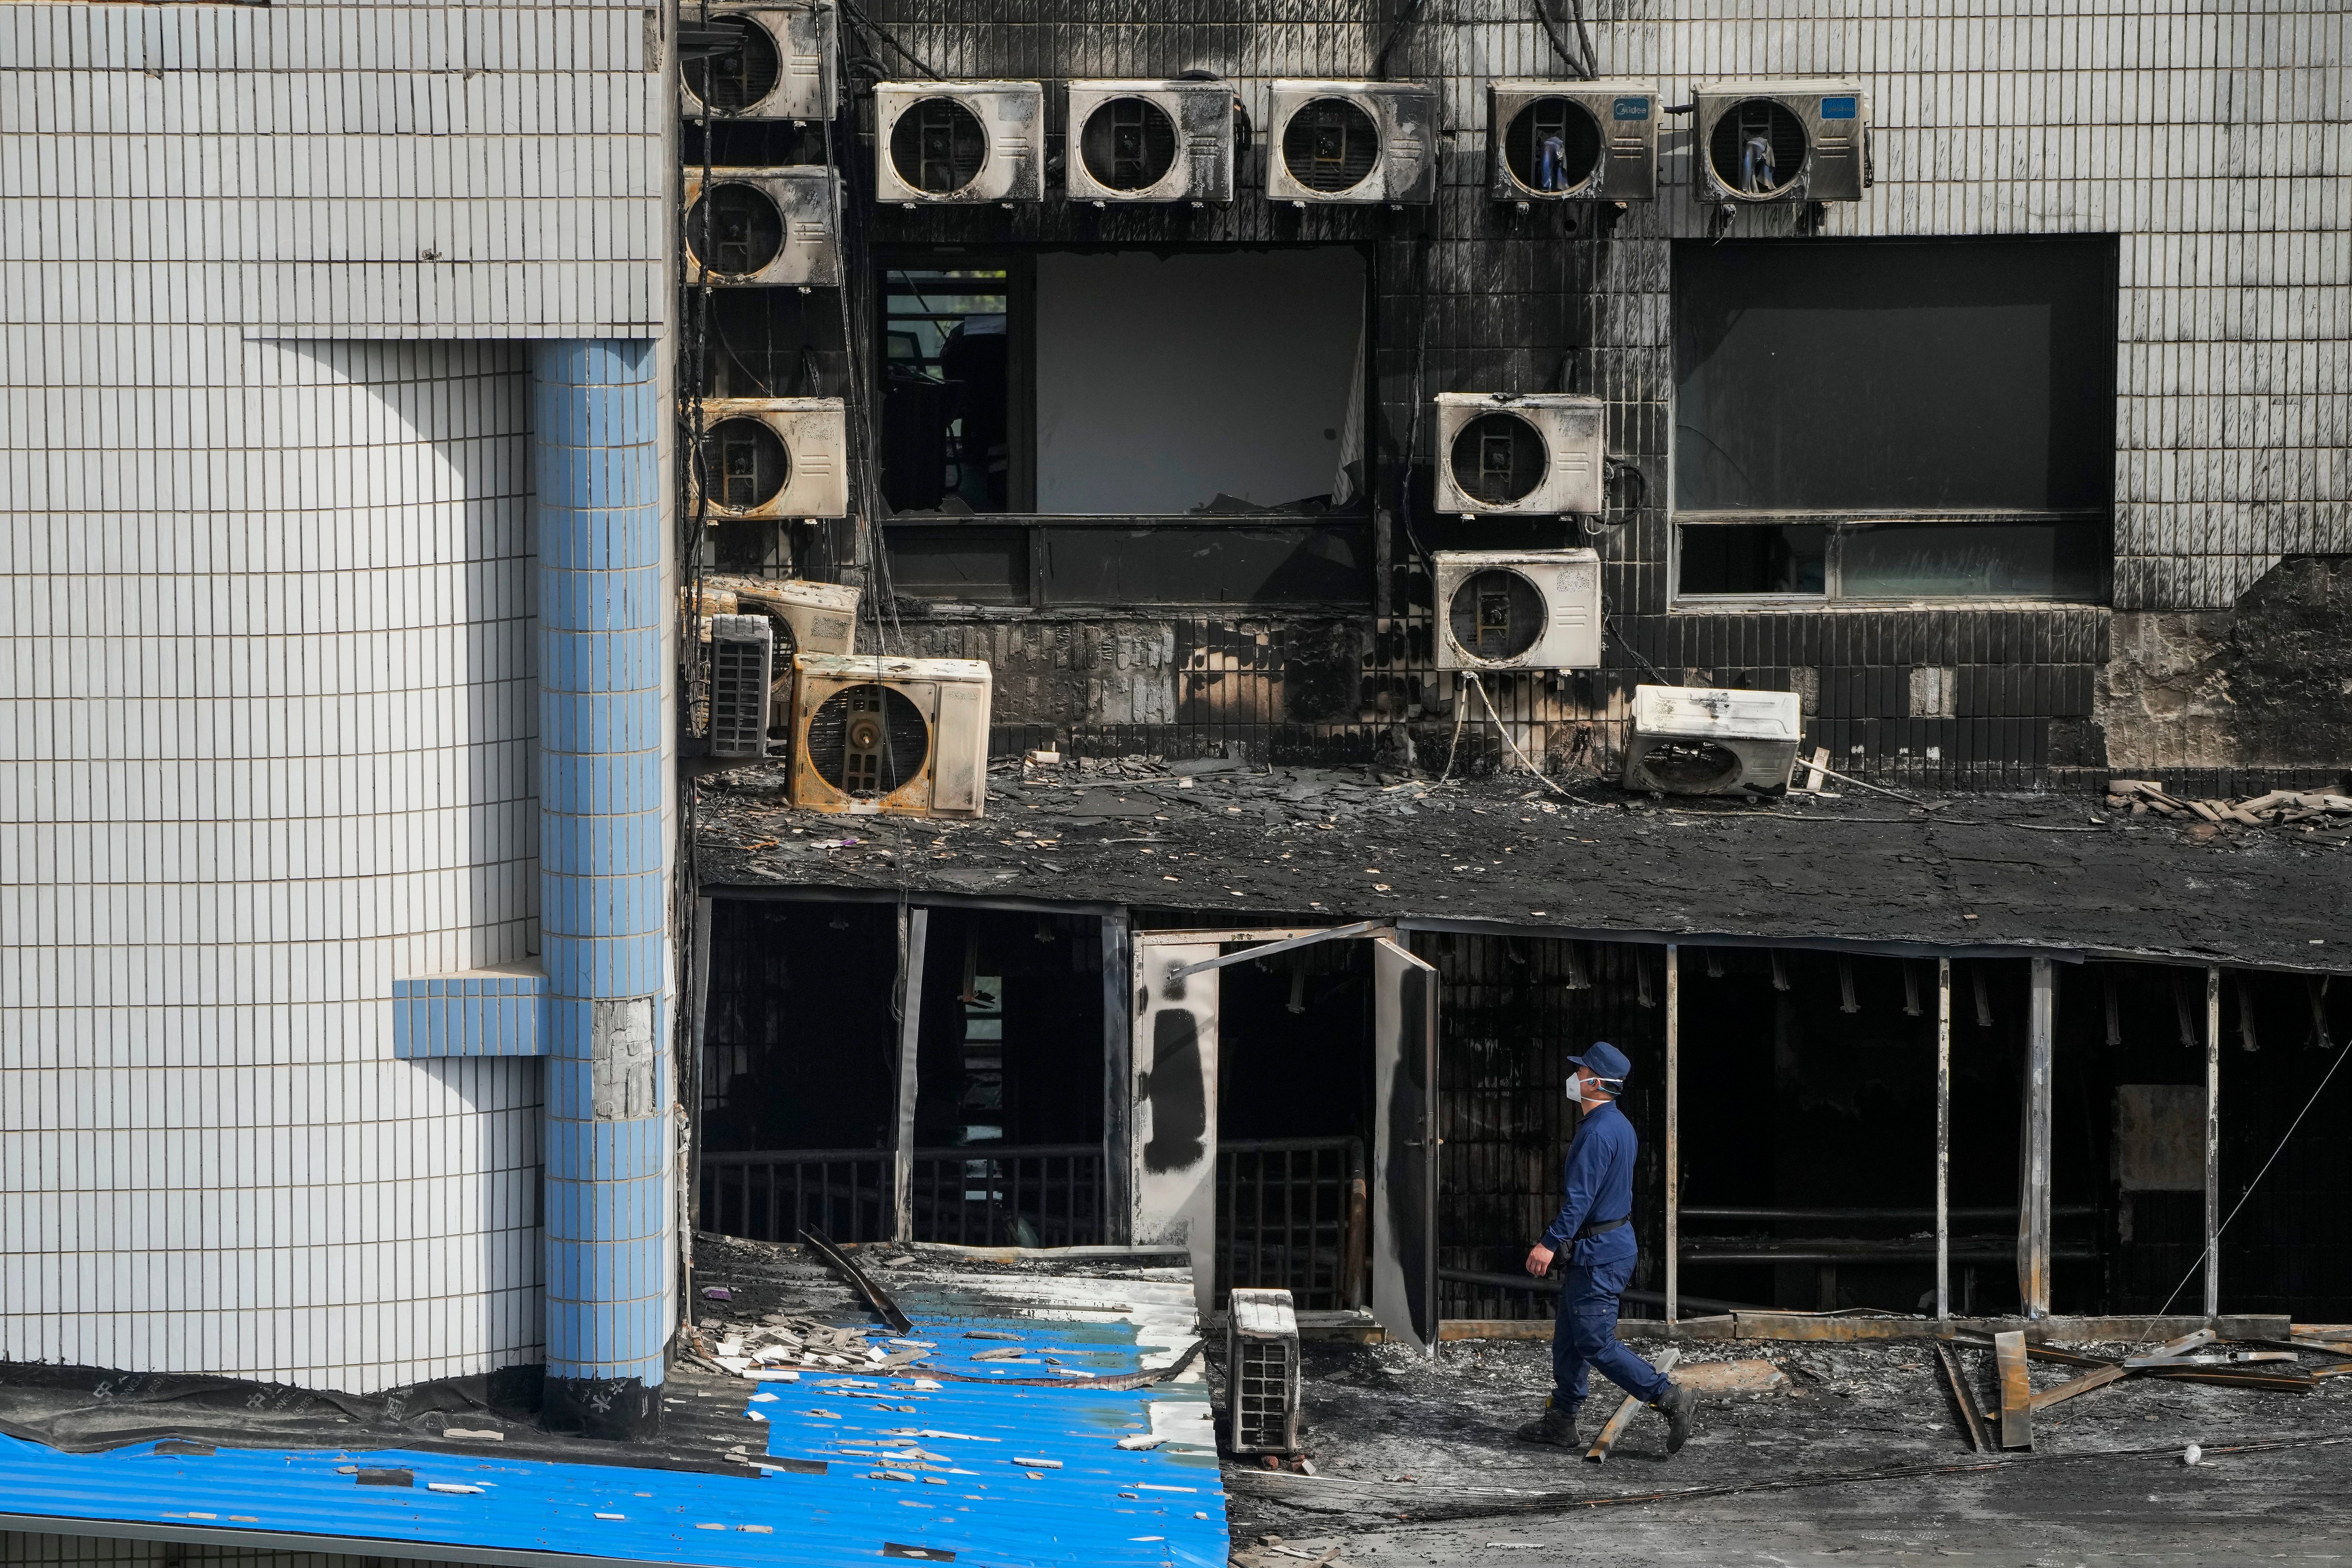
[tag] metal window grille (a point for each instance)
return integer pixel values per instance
(1292, 1213)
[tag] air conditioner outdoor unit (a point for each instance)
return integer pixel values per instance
(819, 617)
(1570, 141)
(742, 661)
(958, 142)
(1518, 609)
(764, 228)
(904, 736)
(1338, 143)
(1534, 455)
(782, 71)
(1697, 740)
(1150, 141)
(1761, 142)
(772, 457)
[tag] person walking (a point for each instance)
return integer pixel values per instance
(1595, 1229)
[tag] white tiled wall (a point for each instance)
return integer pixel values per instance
(266, 713)
(347, 170)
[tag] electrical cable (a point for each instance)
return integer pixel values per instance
(1609, 622)
(1584, 36)
(2325, 1079)
(1405, 19)
(1583, 66)
(1505, 730)
(863, 20)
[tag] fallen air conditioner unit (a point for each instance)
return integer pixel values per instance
(904, 736)
(1518, 609)
(1700, 739)
(743, 656)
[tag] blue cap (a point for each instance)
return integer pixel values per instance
(1605, 1060)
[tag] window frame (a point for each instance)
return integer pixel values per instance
(1842, 524)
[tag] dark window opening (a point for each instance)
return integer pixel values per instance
(1111, 383)
(1945, 409)
(1755, 558)
(1552, 144)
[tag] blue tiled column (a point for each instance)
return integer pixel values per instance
(604, 879)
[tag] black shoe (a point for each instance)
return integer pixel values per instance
(1556, 1426)
(1677, 1404)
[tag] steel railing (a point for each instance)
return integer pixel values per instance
(773, 1195)
(1019, 1194)
(1293, 1213)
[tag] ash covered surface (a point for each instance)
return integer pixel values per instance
(1417, 1463)
(2024, 870)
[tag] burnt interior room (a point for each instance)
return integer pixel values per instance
(1009, 1080)
(799, 1054)
(1511, 1011)
(1295, 1106)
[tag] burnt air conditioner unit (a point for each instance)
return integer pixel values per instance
(1697, 740)
(1518, 456)
(818, 617)
(1518, 609)
(1150, 141)
(1572, 140)
(742, 668)
(1762, 142)
(764, 228)
(781, 70)
(902, 736)
(772, 457)
(958, 142)
(1340, 142)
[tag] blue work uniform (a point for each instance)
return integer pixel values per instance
(1598, 1186)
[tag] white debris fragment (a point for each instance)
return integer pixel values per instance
(2193, 1455)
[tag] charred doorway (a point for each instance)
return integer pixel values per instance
(1295, 1107)
(1515, 1009)
(799, 1076)
(1008, 1114)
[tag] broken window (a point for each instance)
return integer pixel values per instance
(1089, 383)
(1898, 420)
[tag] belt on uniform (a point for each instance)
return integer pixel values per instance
(1593, 1227)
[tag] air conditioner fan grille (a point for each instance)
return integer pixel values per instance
(745, 464)
(939, 146)
(735, 229)
(1497, 614)
(1758, 147)
(869, 740)
(1128, 145)
(740, 78)
(1553, 145)
(1498, 459)
(1330, 145)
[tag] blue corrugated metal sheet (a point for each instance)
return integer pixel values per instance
(932, 1468)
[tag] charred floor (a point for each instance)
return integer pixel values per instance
(1873, 1015)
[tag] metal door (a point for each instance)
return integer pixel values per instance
(1173, 1149)
(1405, 1146)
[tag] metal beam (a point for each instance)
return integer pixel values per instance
(914, 934)
(2033, 1262)
(1361, 928)
(1944, 1140)
(1674, 1126)
(2212, 1141)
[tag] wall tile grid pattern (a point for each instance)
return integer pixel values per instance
(2210, 143)
(597, 419)
(267, 693)
(387, 170)
(19, 1550)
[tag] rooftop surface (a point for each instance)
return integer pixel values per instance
(924, 1462)
(2051, 872)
